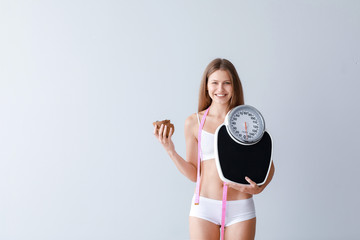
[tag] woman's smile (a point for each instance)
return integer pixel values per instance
(220, 86)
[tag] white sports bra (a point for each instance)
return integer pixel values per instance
(207, 144)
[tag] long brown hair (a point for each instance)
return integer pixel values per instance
(220, 64)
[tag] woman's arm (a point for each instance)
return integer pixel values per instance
(187, 168)
(253, 188)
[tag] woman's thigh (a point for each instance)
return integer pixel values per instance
(242, 230)
(201, 229)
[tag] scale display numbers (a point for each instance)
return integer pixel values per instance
(245, 123)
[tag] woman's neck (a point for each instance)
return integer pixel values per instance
(218, 110)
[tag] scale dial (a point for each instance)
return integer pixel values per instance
(245, 124)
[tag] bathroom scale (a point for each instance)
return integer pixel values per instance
(243, 147)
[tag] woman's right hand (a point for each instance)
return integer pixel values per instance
(165, 141)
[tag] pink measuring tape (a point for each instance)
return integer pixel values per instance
(197, 193)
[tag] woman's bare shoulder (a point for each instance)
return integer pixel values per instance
(191, 123)
(191, 120)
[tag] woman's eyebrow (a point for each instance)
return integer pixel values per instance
(218, 80)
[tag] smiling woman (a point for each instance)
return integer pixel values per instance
(219, 86)
(220, 69)
(220, 91)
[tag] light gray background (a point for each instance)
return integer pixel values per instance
(82, 82)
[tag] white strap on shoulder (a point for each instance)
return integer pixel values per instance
(197, 114)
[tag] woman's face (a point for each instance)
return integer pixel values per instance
(220, 87)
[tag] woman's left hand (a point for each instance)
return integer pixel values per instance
(253, 188)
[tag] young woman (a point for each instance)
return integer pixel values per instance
(220, 91)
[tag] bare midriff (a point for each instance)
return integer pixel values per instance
(211, 185)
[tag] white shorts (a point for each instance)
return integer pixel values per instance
(236, 211)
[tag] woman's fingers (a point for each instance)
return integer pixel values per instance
(160, 134)
(171, 132)
(161, 130)
(155, 130)
(253, 188)
(164, 133)
(252, 183)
